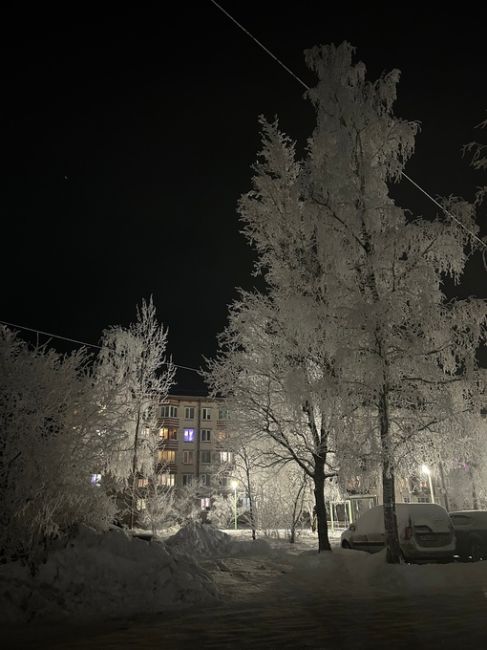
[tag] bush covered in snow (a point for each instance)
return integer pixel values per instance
(49, 446)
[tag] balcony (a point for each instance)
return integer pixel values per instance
(164, 467)
(169, 422)
(167, 443)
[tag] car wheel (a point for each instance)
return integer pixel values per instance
(475, 550)
(346, 544)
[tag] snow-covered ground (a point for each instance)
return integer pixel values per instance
(102, 575)
(222, 585)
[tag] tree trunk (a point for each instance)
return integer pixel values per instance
(251, 501)
(134, 470)
(443, 487)
(390, 519)
(388, 488)
(319, 491)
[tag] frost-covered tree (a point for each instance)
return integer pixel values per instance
(247, 463)
(248, 458)
(50, 447)
(281, 388)
(283, 500)
(276, 490)
(159, 499)
(357, 278)
(133, 363)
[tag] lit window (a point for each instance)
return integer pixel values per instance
(225, 457)
(205, 435)
(187, 479)
(189, 412)
(205, 503)
(169, 411)
(206, 414)
(167, 479)
(187, 457)
(141, 504)
(167, 455)
(95, 479)
(188, 435)
(205, 457)
(168, 433)
(142, 482)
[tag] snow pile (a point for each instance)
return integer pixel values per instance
(207, 541)
(102, 575)
(201, 540)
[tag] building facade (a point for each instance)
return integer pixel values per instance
(193, 447)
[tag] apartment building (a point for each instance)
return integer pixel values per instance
(192, 450)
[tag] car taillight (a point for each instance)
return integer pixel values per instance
(408, 532)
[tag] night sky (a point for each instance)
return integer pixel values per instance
(128, 139)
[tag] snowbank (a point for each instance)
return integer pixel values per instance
(349, 573)
(207, 541)
(103, 575)
(202, 540)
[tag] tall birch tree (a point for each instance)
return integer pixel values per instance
(357, 282)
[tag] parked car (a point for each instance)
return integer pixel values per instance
(471, 533)
(425, 531)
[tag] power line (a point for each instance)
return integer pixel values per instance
(54, 336)
(299, 80)
(444, 209)
(260, 45)
(66, 338)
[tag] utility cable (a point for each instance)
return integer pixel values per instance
(295, 76)
(66, 338)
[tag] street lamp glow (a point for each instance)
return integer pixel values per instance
(234, 485)
(426, 470)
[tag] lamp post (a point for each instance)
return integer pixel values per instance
(234, 488)
(426, 470)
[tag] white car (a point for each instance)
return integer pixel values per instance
(425, 531)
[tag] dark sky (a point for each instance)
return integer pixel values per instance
(128, 139)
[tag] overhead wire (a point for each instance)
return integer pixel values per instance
(67, 338)
(300, 81)
(297, 78)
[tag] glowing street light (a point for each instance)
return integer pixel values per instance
(234, 488)
(426, 470)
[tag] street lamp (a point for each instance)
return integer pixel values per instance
(234, 488)
(426, 470)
